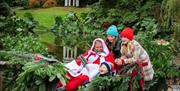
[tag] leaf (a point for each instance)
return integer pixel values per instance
(38, 82)
(52, 78)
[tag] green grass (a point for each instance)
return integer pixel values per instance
(45, 16)
(47, 37)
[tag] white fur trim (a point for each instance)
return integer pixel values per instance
(93, 70)
(74, 69)
(105, 49)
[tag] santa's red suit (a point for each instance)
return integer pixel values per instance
(79, 74)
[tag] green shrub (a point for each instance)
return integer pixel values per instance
(160, 55)
(117, 12)
(20, 43)
(118, 82)
(13, 25)
(60, 2)
(20, 3)
(34, 75)
(69, 30)
(5, 10)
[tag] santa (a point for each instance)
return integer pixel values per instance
(80, 71)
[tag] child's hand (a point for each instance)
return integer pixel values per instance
(119, 61)
(123, 50)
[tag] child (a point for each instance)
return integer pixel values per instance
(105, 69)
(133, 52)
(113, 41)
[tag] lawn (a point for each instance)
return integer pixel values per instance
(45, 16)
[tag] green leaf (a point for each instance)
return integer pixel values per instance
(52, 78)
(38, 82)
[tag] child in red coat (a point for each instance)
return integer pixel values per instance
(133, 52)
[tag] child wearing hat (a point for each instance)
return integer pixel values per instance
(133, 52)
(113, 41)
(105, 69)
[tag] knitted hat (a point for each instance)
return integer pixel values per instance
(112, 30)
(127, 33)
(108, 65)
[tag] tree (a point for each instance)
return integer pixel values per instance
(170, 20)
(123, 12)
(5, 9)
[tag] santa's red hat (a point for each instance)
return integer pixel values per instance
(127, 33)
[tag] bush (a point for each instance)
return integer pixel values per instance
(43, 1)
(13, 25)
(176, 37)
(84, 3)
(49, 3)
(60, 2)
(29, 43)
(160, 55)
(67, 32)
(21, 3)
(121, 82)
(34, 3)
(5, 9)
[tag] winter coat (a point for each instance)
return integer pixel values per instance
(91, 69)
(138, 54)
(115, 49)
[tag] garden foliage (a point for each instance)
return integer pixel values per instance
(18, 37)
